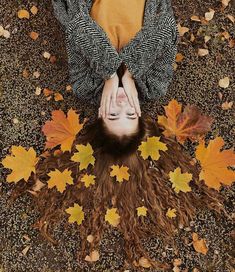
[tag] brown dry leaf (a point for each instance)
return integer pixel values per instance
(179, 57)
(199, 244)
(33, 35)
(187, 124)
(93, 257)
(25, 73)
(231, 43)
(182, 30)
(227, 105)
(192, 38)
(26, 237)
(47, 92)
(231, 18)
(46, 55)
(58, 97)
(207, 38)
(195, 18)
(53, 59)
(23, 13)
(226, 35)
(144, 262)
(25, 250)
(90, 238)
(209, 15)
(225, 3)
(34, 10)
(202, 52)
(68, 88)
(36, 74)
(38, 91)
(224, 82)
(37, 187)
(220, 95)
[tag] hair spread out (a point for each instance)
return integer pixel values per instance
(147, 186)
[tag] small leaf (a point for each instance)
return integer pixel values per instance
(141, 211)
(88, 180)
(112, 217)
(209, 15)
(93, 257)
(144, 262)
(34, 10)
(23, 13)
(182, 30)
(171, 213)
(202, 52)
(59, 179)
(84, 156)
(33, 35)
(121, 173)
(180, 182)
(224, 82)
(76, 214)
(199, 244)
(151, 147)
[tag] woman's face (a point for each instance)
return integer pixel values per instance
(122, 118)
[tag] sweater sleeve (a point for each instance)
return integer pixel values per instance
(88, 38)
(156, 39)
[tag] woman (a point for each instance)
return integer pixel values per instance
(98, 64)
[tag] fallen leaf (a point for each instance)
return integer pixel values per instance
(25, 250)
(34, 10)
(90, 238)
(36, 74)
(47, 91)
(180, 181)
(151, 147)
(227, 105)
(171, 213)
(224, 82)
(33, 35)
(25, 73)
(20, 156)
(58, 97)
(59, 179)
(231, 18)
(46, 55)
(121, 173)
(23, 13)
(182, 30)
(61, 130)
(141, 211)
(214, 163)
(225, 3)
(199, 244)
(38, 91)
(112, 217)
(195, 18)
(93, 257)
(179, 57)
(189, 124)
(76, 214)
(88, 180)
(209, 15)
(37, 187)
(53, 59)
(144, 262)
(202, 52)
(207, 38)
(84, 156)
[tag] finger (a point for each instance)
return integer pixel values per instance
(107, 105)
(129, 95)
(137, 105)
(103, 108)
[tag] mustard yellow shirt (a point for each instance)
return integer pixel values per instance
(120, 19)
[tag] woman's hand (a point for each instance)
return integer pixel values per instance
(108, 95)
(130, 90)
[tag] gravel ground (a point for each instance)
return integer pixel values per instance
(195, 82)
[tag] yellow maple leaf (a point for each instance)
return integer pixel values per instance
(88, 180)
(180, 182)
(151, 147)
(171, 213)
(112, 217)
(120, 172)
(76, 214)
(141, 211)
(61, 130)
(59, 179)
(199, 244)
(214, 163)
(84, 156)
(21, 162)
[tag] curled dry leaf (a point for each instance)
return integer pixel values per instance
(225, 3)
(202, 52)
(224, 82)
(199, 244)
(23, 13)
(207, 38)
(58, 97)
(182, 29)
(93, 257)
(34, 10)
(179, 57)
(227, 105)
(38, 91)
(46, 55)
(209, 15)
(195, 18)
(33, 35)
(231, 18)
(25, 250)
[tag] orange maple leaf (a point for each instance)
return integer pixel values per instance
(187, 124)
(214, 163)
(61, 130)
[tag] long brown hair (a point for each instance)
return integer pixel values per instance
(148, 186)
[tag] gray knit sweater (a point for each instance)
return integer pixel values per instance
(92, 58)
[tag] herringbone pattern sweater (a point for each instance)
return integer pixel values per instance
(149, 56)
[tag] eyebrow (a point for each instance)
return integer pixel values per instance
(118, 118)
